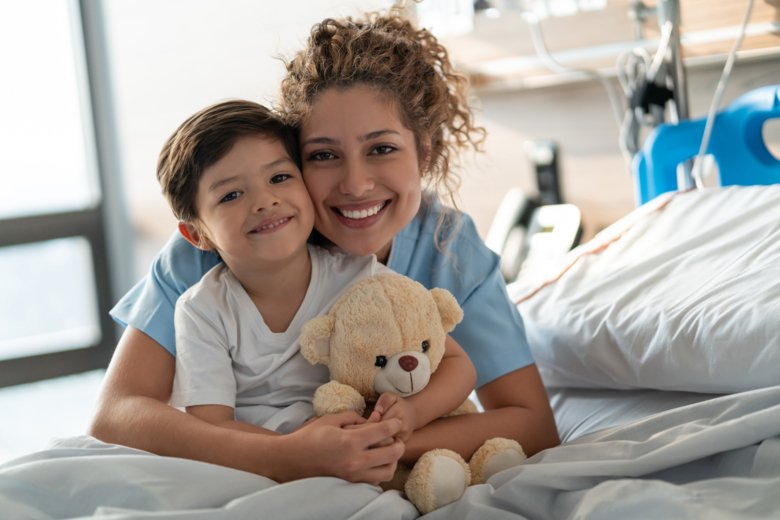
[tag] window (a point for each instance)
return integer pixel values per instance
(54, 269)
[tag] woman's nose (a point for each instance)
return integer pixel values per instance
(356, 180)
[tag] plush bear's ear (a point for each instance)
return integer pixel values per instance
(315, 340)
(449, 310)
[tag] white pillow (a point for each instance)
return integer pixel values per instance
(682, 294)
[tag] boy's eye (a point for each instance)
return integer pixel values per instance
(280, 177)
(230, 196)
(321, 156)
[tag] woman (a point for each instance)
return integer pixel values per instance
(381, 113)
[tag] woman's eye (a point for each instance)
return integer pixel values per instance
(280, 177)
(425, 345)
(321, 156)
(230, 196)
(383, 149)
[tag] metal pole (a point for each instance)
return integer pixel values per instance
(669, 10)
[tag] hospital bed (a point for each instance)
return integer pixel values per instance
(659, 344)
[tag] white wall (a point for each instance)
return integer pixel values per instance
(170, 58)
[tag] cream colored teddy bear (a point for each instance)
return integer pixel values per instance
(386, 333)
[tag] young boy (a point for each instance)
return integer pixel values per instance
(231, 177)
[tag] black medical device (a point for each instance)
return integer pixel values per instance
(528, 232)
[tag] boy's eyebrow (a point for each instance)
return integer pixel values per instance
(220, 182)
(267, 166)
(366, 137)
(278, 162)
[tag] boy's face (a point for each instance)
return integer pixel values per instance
(253, 206)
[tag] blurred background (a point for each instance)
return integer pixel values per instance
(92, 88)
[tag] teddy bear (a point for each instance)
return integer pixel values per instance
(386, 333)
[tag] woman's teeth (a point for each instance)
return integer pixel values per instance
(362, 213)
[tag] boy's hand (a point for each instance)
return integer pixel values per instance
(393, 406)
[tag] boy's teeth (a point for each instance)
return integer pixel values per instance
(274, 224)
(362, 213)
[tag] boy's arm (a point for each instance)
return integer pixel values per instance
(448, 388)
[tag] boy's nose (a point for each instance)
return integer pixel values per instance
(265, 201)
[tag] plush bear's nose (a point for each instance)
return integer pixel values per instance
(408, 363)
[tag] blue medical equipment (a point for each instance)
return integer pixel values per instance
(737, 145)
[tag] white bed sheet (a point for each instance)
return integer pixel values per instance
(719, 458)
(581, 411)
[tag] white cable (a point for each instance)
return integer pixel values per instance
(540, 46)
(660, 57)
(698, 163)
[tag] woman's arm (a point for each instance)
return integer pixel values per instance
(449, 386)
(225, 417)
(516, 407)
(132, 410)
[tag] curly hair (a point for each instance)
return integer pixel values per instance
(387, 52)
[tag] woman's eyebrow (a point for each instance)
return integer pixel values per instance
(319, 140)
(365, 137)
(378, 133)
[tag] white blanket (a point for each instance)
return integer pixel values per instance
(715, 459)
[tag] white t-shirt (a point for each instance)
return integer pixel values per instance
(227, 355)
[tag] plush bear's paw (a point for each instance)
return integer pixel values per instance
(495, 455)
(334, 397)
(438, 478)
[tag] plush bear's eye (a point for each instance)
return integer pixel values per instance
(425, 345)
(380, 361)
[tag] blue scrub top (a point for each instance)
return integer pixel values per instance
(491, 333)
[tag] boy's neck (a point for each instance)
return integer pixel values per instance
(278, 291)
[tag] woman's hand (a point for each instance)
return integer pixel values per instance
(342, 445)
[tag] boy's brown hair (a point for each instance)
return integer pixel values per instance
(207, 136)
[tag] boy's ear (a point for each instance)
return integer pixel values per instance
(192, 235)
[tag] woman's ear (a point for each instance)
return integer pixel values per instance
(192, 234)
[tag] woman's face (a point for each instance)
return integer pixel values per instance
(361, 168)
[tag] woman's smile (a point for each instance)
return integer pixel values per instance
(362, 169)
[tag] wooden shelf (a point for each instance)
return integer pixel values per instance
(499, 54)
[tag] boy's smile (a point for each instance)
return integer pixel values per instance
(253, 207)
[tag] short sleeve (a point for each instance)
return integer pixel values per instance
(149, 305)
(204, 371)
(492, 331)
